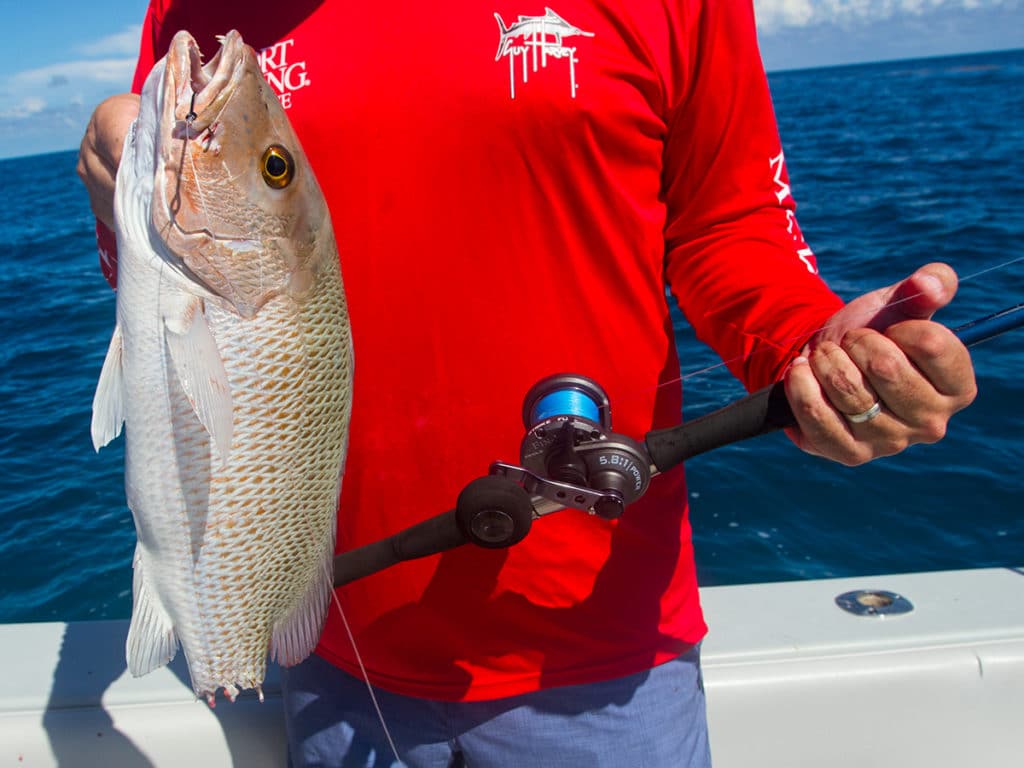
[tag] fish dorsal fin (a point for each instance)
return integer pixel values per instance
(108, 402)
(201, 372)
(151, 639)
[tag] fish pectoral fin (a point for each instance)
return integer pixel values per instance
(151, 638)
(201, 372)
(108, 402)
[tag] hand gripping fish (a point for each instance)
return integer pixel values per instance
(231, 369)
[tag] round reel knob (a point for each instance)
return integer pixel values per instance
(494, 512)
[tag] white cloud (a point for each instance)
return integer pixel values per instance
(125, 43)
(27, 107)
(72, 83)
(104, 67)
(773, 15)
(47, 108)
(111, 72)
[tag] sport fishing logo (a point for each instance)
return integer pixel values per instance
(284, 75)
(535, 39)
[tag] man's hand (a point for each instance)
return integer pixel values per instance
(100, 152)
(881, 348)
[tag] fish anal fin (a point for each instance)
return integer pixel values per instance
(296, 634)
(108, 402)
(200, 370)
(151, 638)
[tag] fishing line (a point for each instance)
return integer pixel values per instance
(994, 268)
(257, 379)
(362, 667)
(328, 574)
(868, 313)
(195, 173)
(189, 119)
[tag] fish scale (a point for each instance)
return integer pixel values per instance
(231, 368)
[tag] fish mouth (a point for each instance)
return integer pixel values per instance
(196, 93)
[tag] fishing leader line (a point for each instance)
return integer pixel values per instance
(359, 660)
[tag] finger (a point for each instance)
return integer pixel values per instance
(901, 387)
(940, 356)
(821, 429)
(918, 296)
(842, 382)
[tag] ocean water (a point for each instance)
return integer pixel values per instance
(893, 165)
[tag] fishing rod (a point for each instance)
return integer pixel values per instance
(571, 459)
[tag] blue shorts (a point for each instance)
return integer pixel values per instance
(654, 719)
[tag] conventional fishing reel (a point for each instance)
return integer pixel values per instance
(571, 459)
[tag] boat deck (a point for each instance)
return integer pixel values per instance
(791, 680)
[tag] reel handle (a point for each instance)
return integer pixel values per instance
(492, 512)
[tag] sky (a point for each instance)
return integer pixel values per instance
(63, 58)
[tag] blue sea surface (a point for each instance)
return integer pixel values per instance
(893, 165)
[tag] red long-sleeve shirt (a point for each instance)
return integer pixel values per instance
(512, 191)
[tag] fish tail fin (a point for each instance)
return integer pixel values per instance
(296, 634)
(502, 37)
(151, 638)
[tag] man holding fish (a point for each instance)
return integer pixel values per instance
(500, 218)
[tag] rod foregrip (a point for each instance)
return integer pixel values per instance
(430, 537)
(763, 411)
(768, 410)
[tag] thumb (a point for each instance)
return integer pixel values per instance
(922, 294)
(917, 297)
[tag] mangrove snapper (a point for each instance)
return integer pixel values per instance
(231, 369)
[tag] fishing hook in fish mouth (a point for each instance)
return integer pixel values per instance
(175, 202)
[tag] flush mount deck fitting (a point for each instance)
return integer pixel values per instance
(877, 603)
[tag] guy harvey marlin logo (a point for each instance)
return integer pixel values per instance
(284, 75)
(535, 39)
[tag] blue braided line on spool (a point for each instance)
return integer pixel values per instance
(565, 402)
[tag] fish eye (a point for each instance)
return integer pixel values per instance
(277, 167)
